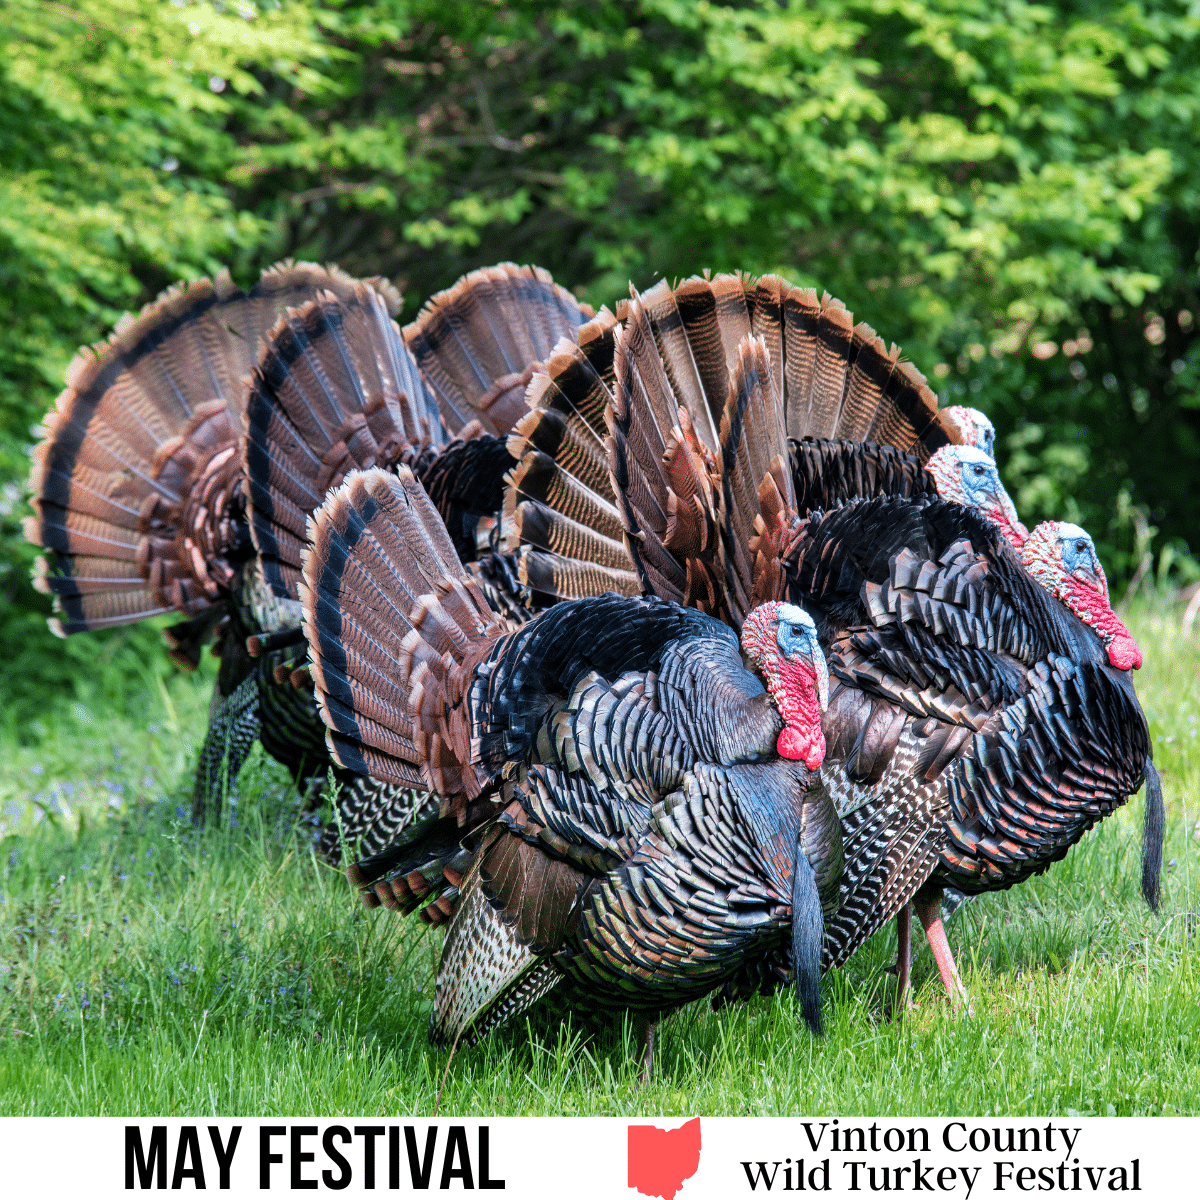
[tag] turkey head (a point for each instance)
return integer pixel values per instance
(968, 476)
(1062, 558)
(972, 426)
(781, 641)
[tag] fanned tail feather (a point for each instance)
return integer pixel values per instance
(560, 514)
(335, 390)
(478, 342)
(665, 473)
(758, 496)
(694, 520)
(395, 625)
(136, 483)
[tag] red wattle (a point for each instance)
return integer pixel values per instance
(792, 744)
(1124, 654)
(1122, 650)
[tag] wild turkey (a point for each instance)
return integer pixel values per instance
(141, 489)
(319, 406)
(138, 487)
(714, 384)
(646, 814)
(979, 725)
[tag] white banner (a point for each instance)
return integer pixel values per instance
(965, 1158)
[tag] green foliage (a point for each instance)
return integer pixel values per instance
(116, 134)
(974, 181)
(145, 970)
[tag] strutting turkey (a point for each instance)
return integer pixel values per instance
(338, 390)
(976, 730)
(141, 487)
(138, 485)
(647, 815)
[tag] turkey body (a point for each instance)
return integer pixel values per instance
(635, 834)
(647, 844)
(976, 729)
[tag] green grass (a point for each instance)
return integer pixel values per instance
(147, 970)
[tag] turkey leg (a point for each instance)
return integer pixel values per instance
(646, 1048)
(928, 903)
(903, 967)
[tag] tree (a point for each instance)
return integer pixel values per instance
(979, 183)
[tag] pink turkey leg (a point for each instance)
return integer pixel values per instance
(929, 912)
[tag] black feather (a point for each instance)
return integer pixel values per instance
(1152, 836)
(808, 929)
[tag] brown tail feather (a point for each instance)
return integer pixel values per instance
(663, 473)
(559, 506)
(477, 341)
(537, 477)
(709, 381)
(137, 461)
(699, 310)
(676, 352)
(395, 626)
(558, 578)
(335, 390)
(753, 451)
(830, 364)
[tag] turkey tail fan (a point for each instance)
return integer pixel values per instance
(137, 478)
(1153, 830)
(395, 624)
(335, 389)
(104, 505)
(560, 510)
(834, 379)
(477, 343)
(839, 380)
(758, 367)
(704, 529)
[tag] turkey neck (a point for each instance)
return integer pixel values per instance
(794, 688)
(1093, 608)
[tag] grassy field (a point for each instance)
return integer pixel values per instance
(145, 969)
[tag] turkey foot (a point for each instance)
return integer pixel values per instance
(902, 968)
(928, 903)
